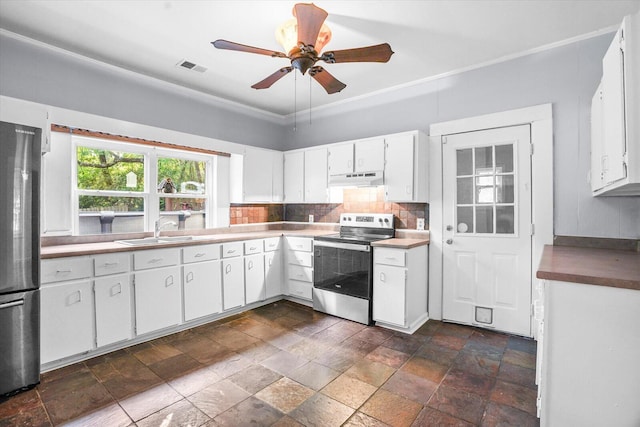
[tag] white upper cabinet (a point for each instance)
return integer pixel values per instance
(405, 172)
(315, 176)
(56, 187)
(615, 133)
(294, 177)
(369, 155)
(256, 176)
(277, 177)
(340, 159)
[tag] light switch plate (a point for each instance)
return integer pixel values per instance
(310, 218)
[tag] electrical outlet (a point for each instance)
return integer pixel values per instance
(310, 218)
(420, 224)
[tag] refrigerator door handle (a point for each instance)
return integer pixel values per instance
(12, 304)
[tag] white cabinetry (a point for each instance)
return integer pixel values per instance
(340, 159)
(300, 267)
(232, 275)
(256, 176)
(202, 281)
(66, 313)
(56, 186)
(158, 296)
(294, 177)
(254, 271)
(113, 309)
(400, 287)
(315, 176)
(615, 133)
(272, 267)
(405, 173)
(369, 155)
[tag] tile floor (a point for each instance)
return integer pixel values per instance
(285, 365)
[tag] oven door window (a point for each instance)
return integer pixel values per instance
(343, 271)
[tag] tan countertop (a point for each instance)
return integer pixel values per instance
(604, 267)
(401, 243)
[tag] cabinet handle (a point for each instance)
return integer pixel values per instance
(270, 261)
(360, 162)
(63, 271)
(199, 254)
(12, 304)
(110, 264)
(250, 266)
(231, 251)
(168, 281)
(408, 189)
(227, 269)
(391, 258)
(77, 300)
(119, 287)
(383, 278)
(189, 276)
(349, 163)
(252, 248)
(154, 260)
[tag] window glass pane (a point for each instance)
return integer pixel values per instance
(181, 176)
(484, 160)
(465, 219)
(109, 170)
(100, 215)
(504, 219)
(484, 219)
(186, 213)
(504, 189)
(484, 189)
(465, 191)
(464, 162)
(504, 158)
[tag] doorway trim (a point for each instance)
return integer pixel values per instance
(540, 117)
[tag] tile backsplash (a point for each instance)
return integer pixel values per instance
(357, 200)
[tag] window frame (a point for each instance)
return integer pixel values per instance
(150, 195)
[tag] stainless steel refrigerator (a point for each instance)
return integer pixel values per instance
(19, 257)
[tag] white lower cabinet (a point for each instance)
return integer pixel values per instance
(400, 287)
(254, 278)
(202, 283)
(232, 283)
(273, 274)
(158, 299)
(66, 320)
(299, 267)
(113, 309)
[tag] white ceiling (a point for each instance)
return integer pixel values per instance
(429, 38)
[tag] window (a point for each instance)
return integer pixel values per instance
(125, 188)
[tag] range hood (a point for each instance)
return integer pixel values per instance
(357, 179)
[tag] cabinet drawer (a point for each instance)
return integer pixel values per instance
(111, 264)
(297, 272)
(231, 249)
(304, 259)
(56, 270)
(200, 253)
(253, 247)
(300, 244)
(155, 258)
(300, 289)
(390, 256)
(271, 244)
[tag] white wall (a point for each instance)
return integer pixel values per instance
(566, 76)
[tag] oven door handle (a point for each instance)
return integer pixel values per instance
(340, 245)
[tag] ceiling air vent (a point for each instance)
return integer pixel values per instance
(191, 66)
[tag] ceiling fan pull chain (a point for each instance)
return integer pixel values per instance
(309, 99)
(295, 101)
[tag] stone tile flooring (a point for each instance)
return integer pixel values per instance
(285, 365)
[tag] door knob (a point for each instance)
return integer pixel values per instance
(449, 228)
(449, 241)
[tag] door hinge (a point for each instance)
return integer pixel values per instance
(444, 139)
(533, 229)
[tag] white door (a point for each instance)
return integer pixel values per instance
(487, 229)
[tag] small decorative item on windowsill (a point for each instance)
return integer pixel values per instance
(166, 186)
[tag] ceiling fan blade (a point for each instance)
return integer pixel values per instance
(225, 44)
(266, 83)
(310, 19)
(326, 80)
(377, 53)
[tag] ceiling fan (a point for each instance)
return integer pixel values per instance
(303, 38)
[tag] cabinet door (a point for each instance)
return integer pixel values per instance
(113, 309)
(277, 178)
(257, 175)
(66, 320)
(389, 294)
(254, 278)
(340, 159)
(369, 155)
(294, 177)
(597, 149)
(315, 176)
(398, 172)
(613, 112)
(232, 283)
(56, 187)
(158, 299)
(273, 274)
(202, 289)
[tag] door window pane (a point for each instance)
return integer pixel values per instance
(504, 189)
(100, 169)
(465, 219)
(505, 220)
(464, 162)
(484, 160)
(465, 191)
(504, 158)
(484, 219)
(484, 189)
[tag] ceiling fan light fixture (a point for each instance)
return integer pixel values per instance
(287, 36)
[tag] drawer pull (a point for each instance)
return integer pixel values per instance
(110, 264)
(252, 248)
(231, 251)
(168, 281)
(383, 278)
(199, 254)
(155, 260)
(116, 289)
(391, 258)
(189, 276)
(63, 271)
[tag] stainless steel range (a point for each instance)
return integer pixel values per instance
(343, 266)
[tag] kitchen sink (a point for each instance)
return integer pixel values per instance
(154, 240)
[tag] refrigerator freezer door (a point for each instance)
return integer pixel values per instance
(19, 212)
(20, 343)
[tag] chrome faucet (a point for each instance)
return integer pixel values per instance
(159, 227)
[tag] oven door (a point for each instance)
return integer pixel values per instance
(344, 268)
